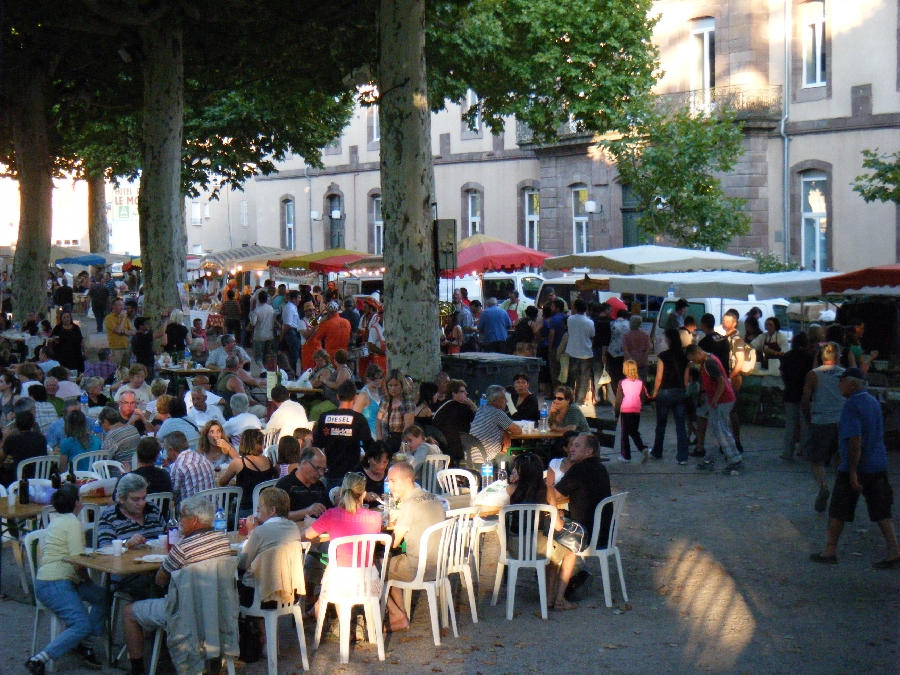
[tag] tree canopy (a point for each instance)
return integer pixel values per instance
(883, 184)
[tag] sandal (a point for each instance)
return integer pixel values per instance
(565, 606)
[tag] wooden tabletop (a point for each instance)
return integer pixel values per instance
(536, 435)
(303, 390)
(19, 511)
(178, 370)
(105, 500)
(14, 336)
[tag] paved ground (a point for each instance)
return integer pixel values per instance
(718, 580)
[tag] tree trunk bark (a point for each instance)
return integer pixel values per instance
(34, 164)
(162, 230)
(98, 230)
(412, 328)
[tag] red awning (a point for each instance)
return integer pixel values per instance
(480, 253)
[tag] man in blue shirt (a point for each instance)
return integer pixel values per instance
(863, 469)
(494, 326)
(557, 329)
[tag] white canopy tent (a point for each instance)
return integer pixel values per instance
(732, 285)
(650, 259)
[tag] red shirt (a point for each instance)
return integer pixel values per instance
(710, 373)
(334, 334)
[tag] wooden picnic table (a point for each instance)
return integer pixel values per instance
(14, 336)
(19, 511)
(179, 370)
(536, 435)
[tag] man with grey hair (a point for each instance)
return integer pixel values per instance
(131, 518)
(242, 419)
(492, 425)
(201, 412)
(228, 346)
(494, 326)
(201, 542)
(863, 469)
(191, 472)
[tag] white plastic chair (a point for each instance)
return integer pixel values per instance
(528, 517)
(448, 480)
(271, 452)
(86, 460)
(163, 501)
(356, 588)
(603, 550)
(296, 556)
(270, 437)
(93, 475)
(459, 555)
(43, 466)
(258, 489)
(433, 464)
(33, 541)
(226, 498)
(103, 467)
(439, 587)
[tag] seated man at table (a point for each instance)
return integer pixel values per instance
(121, 439)
(418, 511)
(103, 367)
(177, 422)
(235, 380)
(228, 346)
(289, 414)
(158, 480)
(212, 398)
(201, 542)
(492, 425)
(56, 432)
(201, 411)
(132, 517)
(241, 419)
(308, 494)
(191, 472)
(51, 384)
(67, 388)
(128, 411)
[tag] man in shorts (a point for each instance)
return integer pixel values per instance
(418, 511)
(822, 403)
(863, 469)
(201, 542)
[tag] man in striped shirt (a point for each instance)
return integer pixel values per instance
(131, 518)
(191, 472)
(201, 542)
(491, 424)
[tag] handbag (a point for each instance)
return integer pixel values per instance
(571, 536)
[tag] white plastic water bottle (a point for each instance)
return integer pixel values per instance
(545, 414)
(483, 400)
(219, 523)
(187, 354)
(174, 532)
(83, 400)
(487, 473)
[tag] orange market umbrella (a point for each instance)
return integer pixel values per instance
(480, 253)
(332, 260)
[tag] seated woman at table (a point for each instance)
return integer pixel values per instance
(93, 386)
(564, 415)
(527, 486)
(322, 369)
(78, 440)
(423, 414)
(157, 388)
(418, 447)
(526, 403)
(136, 376)
(347, 519)
(288, 455)
(558, 466)
(373, 467)
(64, 588)
(10, 387)
(330, 383)
(214, 446)
(248, 470)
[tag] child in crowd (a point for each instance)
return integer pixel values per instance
(198, 332)
(289, 454)
(630, 397)
(304, 436)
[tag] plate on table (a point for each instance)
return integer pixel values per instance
(106, 550)
(151, 558)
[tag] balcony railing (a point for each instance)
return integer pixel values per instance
(747, 101)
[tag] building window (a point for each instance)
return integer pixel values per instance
(378, 232)
(813, 27)
(631, 235)
(579, 219)
(472, 101)
(336, 216)
(196, 213)
(287, 217)
(474, 200)
(197, 249)
(703, 62)
(206, 210)
(532, 219)
(376, 125)
(814, 231)
(245, 213)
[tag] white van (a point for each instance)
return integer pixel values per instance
(494, 285)
(697, 307)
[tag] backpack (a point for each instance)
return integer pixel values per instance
(749, 355)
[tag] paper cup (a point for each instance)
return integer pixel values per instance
(117, 547)
(162, 542)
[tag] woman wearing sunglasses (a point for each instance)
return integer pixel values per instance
(564, 415)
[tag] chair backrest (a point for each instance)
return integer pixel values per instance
(444, 530)
(527, 517)
(284, 563)
(271, 452)
(474, 449)
(93, 475)
(615, 502)
(459, 552)
(270, 437)
(258, 489)
(438, 435)
(86, 460)
(33, 542)
(433, 464)
(448, 479)
(227, 499)
(13, 488)
(43, 466)
(104, 466)
(362, 557)
(163, 501)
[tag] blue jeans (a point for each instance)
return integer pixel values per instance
(670, 400)
(65, 599)
(292, 338)
(718, 427)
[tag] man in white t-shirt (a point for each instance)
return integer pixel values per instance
(580, 350)
(243, 419)
(263, 320)
(290, 414)
(202, 412)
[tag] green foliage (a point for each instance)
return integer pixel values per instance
(548, 63)
(883, 184)
(771, 262)
(670, 161)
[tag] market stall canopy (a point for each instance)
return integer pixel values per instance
(192, 262)
(732, 285)
(332, 260)
(882, 280)
(263, 261)
(479, 253)
(368, 264)
(83, 260)
(649, 259)
(234, 256)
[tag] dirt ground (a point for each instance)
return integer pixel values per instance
(718, 581)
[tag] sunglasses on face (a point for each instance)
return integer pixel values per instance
(560, 398)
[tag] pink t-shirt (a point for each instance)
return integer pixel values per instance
(631, 395)
(338, 522)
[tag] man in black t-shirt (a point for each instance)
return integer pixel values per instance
(343, 435)
(309, 496)
(602, 335)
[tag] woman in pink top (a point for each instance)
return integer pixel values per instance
(347, 519)
(629, 400)
(636, 346)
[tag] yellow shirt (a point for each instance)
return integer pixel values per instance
(64, 538)
(111, 324)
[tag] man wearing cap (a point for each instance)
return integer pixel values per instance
(334, 331)
(863, 469)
